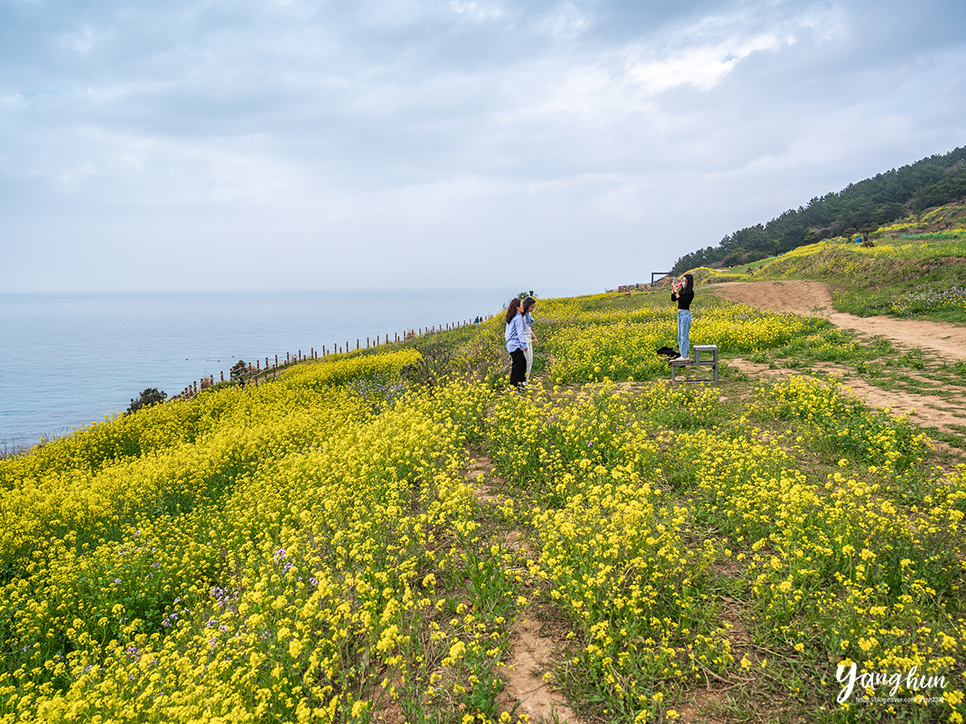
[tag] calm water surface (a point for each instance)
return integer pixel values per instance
(72, 359)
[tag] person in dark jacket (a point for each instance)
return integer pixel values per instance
(682, 292)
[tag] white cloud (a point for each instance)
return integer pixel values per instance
(827, 22)
(75, 176)
(702, 67)
(80, 41)
(477, 11)
(565, 22)
(13, 102)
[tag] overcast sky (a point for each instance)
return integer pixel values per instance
(564, 147)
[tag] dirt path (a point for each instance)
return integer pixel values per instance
(933, 404)
(532, 652)
(810, 297)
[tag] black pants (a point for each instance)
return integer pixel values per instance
(518, 369)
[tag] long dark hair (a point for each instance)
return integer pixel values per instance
(690, 280)
(512, 309)
(528, 304)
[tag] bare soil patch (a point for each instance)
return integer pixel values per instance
(813, 298)
(532, 645)
(796, 296)
(929, 411)
(944, 410)
(525, 687)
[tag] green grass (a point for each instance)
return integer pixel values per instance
(916, 269)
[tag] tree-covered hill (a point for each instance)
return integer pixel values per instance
(859, 208)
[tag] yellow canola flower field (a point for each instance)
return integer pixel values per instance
(282, 566)
(599, 344)
(835, 569)
(315, 548)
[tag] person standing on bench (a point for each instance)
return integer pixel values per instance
(682, 292)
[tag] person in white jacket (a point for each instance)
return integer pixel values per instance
(528, 305)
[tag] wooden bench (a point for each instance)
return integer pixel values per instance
(698, 361)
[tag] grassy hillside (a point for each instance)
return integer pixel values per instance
(914, 268)
(359, 539)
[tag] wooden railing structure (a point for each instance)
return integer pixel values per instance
(256, 373)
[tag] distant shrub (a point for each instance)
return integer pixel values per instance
(433, 367)
(150, 396)
(238, 370)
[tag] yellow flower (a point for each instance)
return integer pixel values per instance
(359, 707)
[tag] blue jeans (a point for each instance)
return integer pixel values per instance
(684, 331)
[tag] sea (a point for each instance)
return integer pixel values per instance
(67, 360)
